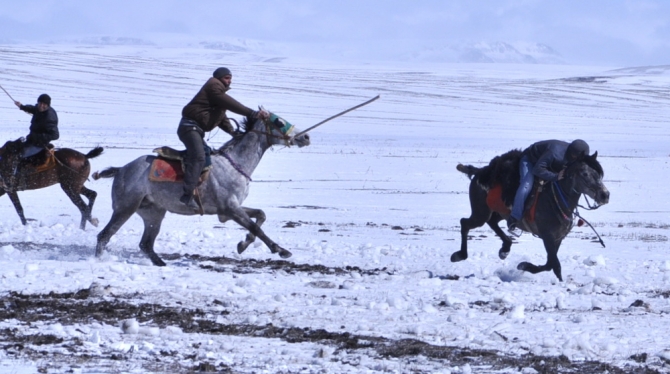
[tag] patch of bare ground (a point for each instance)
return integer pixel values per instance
(80, 308)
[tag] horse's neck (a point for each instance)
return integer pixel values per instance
(248, 151)
(570, 197)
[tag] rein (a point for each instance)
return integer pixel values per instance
(268, 134)
(235, 165)
(556, 188)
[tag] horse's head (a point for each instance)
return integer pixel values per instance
(278, 131)
(12, 147)
(587, 178)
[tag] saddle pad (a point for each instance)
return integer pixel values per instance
(163, 170)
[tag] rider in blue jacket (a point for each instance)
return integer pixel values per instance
(540, 160)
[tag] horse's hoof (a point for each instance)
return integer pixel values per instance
(503, 254)
(284, 253)
(525, 266)
(94, 222)
(241, 247)
(156, 260)
(457, 256)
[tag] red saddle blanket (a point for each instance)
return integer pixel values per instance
(495, 202)
(163, 170)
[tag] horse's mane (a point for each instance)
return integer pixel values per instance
(502, 170)
(243, 128)
(594, 164)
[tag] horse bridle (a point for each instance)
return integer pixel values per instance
(288, 140)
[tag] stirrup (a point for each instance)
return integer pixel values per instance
(515, 231)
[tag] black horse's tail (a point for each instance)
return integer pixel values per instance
(467, 169)
(95, 152)
(107, 173)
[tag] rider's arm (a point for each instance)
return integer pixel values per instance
(218, 98)
(541, 168)
(32, 109)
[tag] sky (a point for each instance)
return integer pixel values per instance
(584, 32)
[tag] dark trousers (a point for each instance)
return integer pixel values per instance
(195, 156)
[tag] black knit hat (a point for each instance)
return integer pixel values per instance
(44, 98)
(221, 72)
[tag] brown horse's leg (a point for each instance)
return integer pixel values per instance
(481, 213)
(14, 197)
(507, 241)
(260, 217)
(73, 194)
(153, 217)
(90, 195)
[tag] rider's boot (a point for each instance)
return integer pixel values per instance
(189, 201)
(512, 226)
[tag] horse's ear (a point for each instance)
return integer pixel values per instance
(595, 155)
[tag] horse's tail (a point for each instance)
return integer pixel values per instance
(95, 152)
(107, 173)
(467, 169)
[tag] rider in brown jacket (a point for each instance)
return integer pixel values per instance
(203, 113)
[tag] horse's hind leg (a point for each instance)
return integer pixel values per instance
(73, 194)
(240, 216)
(260, 217)
(153, 217)
(119, 217)
(90, 195)
(14, 197)
(479, 216)
(507, 242)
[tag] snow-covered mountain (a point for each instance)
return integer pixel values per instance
(488, 52)
(460, 52)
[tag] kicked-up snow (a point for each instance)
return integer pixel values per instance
(370, 210)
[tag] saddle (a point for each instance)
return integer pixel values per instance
(169, 165)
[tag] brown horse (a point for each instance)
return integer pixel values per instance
(65, 166)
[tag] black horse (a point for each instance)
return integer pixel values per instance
(549, 209)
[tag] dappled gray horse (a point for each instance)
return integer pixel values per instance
(222, 193)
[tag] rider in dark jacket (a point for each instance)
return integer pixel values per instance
(540, 160)
(206, 111)
(43, 126)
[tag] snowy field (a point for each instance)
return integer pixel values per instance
(370, 211)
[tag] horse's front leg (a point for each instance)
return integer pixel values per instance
(242, 217)
(14, 197)
(260, 217)
(551, 245)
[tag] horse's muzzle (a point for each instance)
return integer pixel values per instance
(301, 140)
(603, 197)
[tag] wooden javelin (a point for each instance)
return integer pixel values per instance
(337, 115)
(10, 96)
